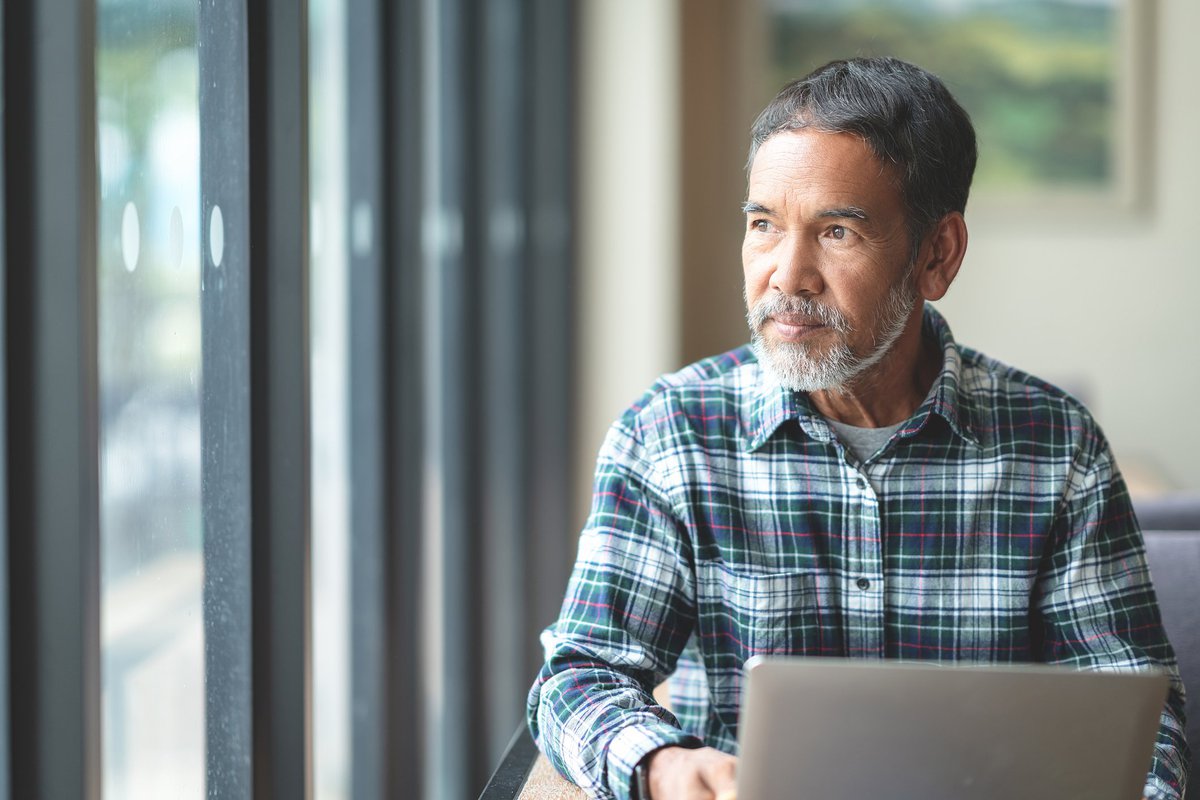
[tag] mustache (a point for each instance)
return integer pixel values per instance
(784, 305)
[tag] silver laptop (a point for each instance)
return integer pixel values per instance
(836, 729)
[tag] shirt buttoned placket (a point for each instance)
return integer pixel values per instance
(862, 584)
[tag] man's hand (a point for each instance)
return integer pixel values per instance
(678, 773)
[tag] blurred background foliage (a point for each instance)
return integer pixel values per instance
(1036, 76)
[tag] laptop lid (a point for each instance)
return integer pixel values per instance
(835, 728)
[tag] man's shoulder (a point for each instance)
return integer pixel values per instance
(707, 392)
(1008, 397)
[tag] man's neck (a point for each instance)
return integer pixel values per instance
(889, 392)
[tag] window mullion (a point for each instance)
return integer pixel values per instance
(225, 394)
(279, 399)
(51, 362)
(404, 203)
(368, 409)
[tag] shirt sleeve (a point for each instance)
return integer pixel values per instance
(629, 609)
(1098, 605)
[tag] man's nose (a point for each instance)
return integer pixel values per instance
(797, 268)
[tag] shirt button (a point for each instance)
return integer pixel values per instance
(864, 584)
(862, 484)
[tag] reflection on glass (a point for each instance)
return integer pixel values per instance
(1037, 76)
(216, 236)
(330, 411)
(149, 318)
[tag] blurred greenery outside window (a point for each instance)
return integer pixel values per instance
(148, 253)
(1038, 77)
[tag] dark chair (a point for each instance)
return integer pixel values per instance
(1174, 558)
(1169, 512)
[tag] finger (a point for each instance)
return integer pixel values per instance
(695, 788)
(720, 777)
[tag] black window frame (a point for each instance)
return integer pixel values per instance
(52, 472)
(5, 770)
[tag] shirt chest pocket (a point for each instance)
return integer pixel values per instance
(743, 614)
(760, 613)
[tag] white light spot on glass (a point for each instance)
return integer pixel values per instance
(175, 245)
(441, 233)
(361, 229)
(216, 236)
(131, 237)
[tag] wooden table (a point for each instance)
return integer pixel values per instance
(525, 774)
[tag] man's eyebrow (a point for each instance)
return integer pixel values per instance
(846, 212)
(755, 208)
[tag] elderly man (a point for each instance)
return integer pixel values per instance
(854, 483)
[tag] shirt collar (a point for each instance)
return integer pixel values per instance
(768, 405)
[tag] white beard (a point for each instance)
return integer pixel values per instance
(793, 366)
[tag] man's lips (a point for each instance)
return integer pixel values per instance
(795, 328)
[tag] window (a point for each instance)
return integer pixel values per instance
(291, 440)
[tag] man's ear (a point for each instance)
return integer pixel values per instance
(941, 255)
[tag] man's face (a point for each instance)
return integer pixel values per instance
(826, 256)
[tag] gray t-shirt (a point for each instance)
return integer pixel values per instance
(862, 442)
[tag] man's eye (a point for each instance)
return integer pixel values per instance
(837, 232)
(761, 225)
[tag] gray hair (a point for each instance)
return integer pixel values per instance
(906, 116)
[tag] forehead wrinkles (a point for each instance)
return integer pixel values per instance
(804, 173)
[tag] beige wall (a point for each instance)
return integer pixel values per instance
(721, 92)
(628, 325)
(1101, 302)
(1109, 304)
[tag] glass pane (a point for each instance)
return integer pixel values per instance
(330, 396)
(148, 131)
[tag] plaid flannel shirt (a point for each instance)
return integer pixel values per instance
(728, 521)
